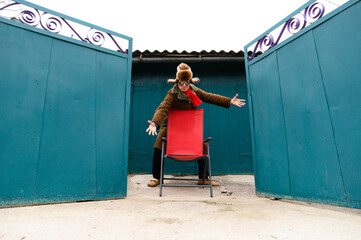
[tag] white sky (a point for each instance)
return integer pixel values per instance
(190, 25)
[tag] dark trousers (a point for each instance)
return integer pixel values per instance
(157, 160)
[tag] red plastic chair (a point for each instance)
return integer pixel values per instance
(185, 143)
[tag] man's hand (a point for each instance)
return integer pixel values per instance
(238, 102)
(152, 129)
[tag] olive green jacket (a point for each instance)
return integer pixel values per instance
(178, 100)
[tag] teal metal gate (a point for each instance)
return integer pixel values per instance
(64, 107)
(305, 106)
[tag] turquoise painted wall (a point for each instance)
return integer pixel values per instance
(63, 116)
(229, 128)
(306, 114)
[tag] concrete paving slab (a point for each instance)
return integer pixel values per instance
(235, 212)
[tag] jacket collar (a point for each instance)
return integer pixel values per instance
(181, 95)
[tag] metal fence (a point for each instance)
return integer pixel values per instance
(64, 112)
(304, 96)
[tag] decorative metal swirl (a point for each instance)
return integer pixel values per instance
(314, 12)
(51, 23)
(296, 24)
(293, 25)
(95, 37)
(29, 17)
(266, 42)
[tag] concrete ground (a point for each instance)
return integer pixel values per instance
(235, 212)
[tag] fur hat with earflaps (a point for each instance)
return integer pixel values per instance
(184, 73)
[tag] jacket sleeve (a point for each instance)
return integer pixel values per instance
(214, 98)
(162, 111)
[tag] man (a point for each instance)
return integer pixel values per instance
(183, 95)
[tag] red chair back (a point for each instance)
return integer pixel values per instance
(185, 133)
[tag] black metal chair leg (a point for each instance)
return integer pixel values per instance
(161, 171)
(204, 171)
(210, 171)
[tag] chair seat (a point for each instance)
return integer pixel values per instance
(185, 158)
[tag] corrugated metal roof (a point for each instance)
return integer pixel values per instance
(167, 53)
(195, 56)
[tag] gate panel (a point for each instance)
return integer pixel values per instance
(68, 137)
(310, 141)
(111, 117)
(23, 78)
(338, 47)
(269, 130)
(64, 110)
(319, 73)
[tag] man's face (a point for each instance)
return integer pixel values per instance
(183, 85)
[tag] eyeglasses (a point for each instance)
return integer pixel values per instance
(183, 83)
